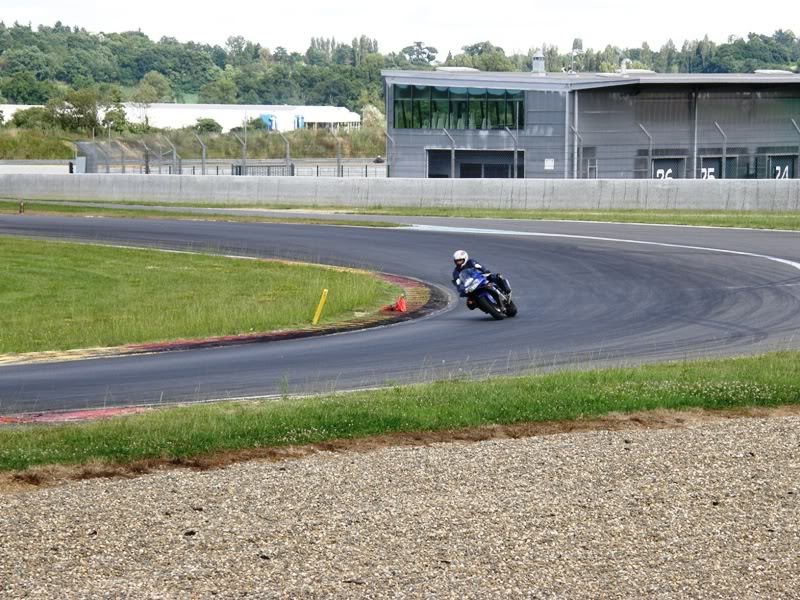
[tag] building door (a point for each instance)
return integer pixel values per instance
(710, 168)
(475, 164)
(471, 171)
(781, 166)
(497, 171)
(668, 168)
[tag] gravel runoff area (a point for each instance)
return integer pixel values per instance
(705, 511)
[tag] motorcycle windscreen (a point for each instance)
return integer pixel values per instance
(468, 277)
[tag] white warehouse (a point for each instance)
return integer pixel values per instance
(281, 117)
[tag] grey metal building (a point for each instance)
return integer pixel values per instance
(632, 124)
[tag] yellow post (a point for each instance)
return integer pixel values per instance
(321, 305)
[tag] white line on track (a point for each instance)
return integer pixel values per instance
(444, 229)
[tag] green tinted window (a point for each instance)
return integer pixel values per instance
(495, 109)
(402, 92)
(421, 107)
(477, 109)
(459, 118)
(439, 107)
(427, 107)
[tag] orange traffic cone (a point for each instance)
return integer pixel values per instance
(401, 304)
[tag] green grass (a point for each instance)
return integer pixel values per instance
(755, 220)
(196, 431)
(54, 208)
(56, 296)
(34, 144)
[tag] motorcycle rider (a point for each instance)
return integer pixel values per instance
(462, 261)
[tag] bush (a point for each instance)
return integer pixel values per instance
(35, 144)
(207, 125)
(36, 117)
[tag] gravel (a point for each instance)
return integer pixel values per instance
(709, 511)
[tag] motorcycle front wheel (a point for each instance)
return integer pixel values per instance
(511, 309)
(486, 306)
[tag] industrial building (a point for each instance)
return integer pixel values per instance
(631, 124)
(280, 117)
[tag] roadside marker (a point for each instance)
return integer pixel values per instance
(322, 301)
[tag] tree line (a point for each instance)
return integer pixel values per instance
(66, 67)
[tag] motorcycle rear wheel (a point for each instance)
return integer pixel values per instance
(486, 306)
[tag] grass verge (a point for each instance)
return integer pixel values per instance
(706, 218)
(38, 208)
(755, 220)
(181, 434)
(59, 296)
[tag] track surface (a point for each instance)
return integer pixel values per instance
(581, 301)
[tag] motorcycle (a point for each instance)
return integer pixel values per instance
(485, 295)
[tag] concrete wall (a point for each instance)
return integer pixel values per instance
(750, 194)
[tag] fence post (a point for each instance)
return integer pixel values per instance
(516, 143)
(338, 153)
(797, 167)
(108, 154)
(203, 156)
(244, 153)
(649, 152)
(122, 154)
(160, 156)
(388, 156)
(578, 151)
(288, 149)
(174, 154)
(146, 157)
(452, 154)
(724, 151)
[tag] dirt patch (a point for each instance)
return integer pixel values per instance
(37, 477)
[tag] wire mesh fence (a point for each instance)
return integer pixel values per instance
(255, 156)
(634, 153)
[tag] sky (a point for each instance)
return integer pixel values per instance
(513, 25)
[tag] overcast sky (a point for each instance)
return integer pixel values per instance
(514, 25)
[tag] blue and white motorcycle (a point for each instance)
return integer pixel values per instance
(482, 293)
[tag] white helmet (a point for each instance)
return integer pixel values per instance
(460, 255)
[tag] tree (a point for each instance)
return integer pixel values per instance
(160, 86)
(26, 60)
(36, 117)
(23, 88)
(222, 90)
(419, 54)
(280, 56)
(110, 101)
(371, 116)
(665, 61)
(207, 125)
(481, 48)
(76, 111)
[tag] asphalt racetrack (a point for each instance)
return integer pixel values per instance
(589, 294)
